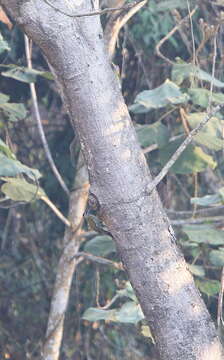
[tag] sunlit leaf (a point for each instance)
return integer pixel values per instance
(156, 133)
(182, 71)
(216, 257)
(192, 160)
(165, 94)
(207, 200)
(197, 270)
(11, 167)
(6, 150)
(25, 74)
(206, 234)
(3, 98)
(94, 314)
(146, 332)
(100, 245)
(130, 312)
(128, 292)
(171, 4)
(21, 190)
(211, 135)
(3, 45)
(14, 111)
(208, 287)
(221, 193)
(201, 97)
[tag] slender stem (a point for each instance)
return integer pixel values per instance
(56, 211)
(182, 147)
(97, 12)
(39, 123)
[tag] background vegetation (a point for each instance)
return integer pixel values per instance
(168, 81)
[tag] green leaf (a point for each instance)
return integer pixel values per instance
(12, 167)
(207, 200)
(3, 45)
(182, 71)
(221, 193)
(21, 190)
(5, 149)
(208, 287)
(94, 314)
(127, 292)
(197, 270)
(165, 94)
(3, 98)
(192, 160)
(11, 110)
(211, 135)
(151, 134)
(100, 245)
(216, 257)
(205, 234)
(14, 111)
(130, 312)
(146, 332)
(24, 74)
(171, 4)
(201, 97)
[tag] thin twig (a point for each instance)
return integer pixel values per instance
(220, 301)
(163, 40)
(179, 183)
(209, 211)
(6, 229)
(56, 211)
(192, 32)
(97, 259)
(182, 147)
(195, 205)
(153, 147)
(213, 69)
(97, 12)
(39, 123)
(208, 219)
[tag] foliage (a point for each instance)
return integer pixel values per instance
(103, 307)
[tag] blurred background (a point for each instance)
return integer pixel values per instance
(169, 60)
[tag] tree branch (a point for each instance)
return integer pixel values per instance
(182, 147)
(97, 12)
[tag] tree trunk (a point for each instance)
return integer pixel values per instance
(119, 176)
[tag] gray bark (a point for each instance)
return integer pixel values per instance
(119, 177)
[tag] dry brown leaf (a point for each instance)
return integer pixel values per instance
(4, 18)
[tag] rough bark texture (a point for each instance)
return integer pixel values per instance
(119, 176)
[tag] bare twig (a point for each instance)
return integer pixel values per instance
(152, 147)
(139, 52)
(210, 211)
(192, 32)
(213, 68)
(97, 12)
(220, 302)
(56, 211)
(182, 147)
(163, 40)
(39, 123)
(115, 24)
(179, 183)
(6, 229)
(213, 219)
(97, 259)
